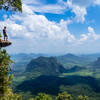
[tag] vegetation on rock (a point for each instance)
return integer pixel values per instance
(15, 5)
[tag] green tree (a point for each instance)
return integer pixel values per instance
(15, 5)
(86, 98)
(5, 61)
(80, 97)
(83, 98)
(5, 78)
(64, 96)
(43, 96)
(31, 99)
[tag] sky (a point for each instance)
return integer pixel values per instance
(54, 27)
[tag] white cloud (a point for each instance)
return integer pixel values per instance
(38, 6)
(56, 9)
(79, 7)
(97, 2)
(35, 33)
(80, 13)
(36, 30)
(75, 7)
(91, 36)
(83, 3)
(27, 9)
(31, 2)
(86, 3)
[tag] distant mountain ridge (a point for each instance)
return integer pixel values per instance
(73, 60)
(68, 60)
(29, 56)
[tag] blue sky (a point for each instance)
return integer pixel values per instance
(54, 26)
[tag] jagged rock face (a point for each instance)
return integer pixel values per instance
(46, 66)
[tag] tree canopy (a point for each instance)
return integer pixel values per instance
(13, 5)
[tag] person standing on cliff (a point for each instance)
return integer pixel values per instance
(5, 34)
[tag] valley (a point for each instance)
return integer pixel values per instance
(78, 75)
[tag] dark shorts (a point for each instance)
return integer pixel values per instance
(5, 35)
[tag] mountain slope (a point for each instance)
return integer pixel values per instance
(45, 66)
